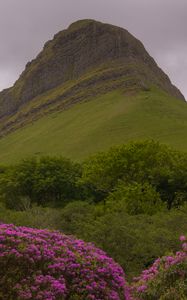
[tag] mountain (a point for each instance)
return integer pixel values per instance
(89, 66)
(83, 58)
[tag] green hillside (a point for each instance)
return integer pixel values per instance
(107, 120)
(92, 86)
(82, 62)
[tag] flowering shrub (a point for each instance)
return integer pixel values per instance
(41, 264)
(165, 279)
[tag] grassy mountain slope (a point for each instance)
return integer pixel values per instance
(110, 119)
(87, 58)
(92, 86)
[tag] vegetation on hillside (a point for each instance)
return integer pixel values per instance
(129, 201)
(93, 88)
(126, 176)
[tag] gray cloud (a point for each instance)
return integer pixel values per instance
(25, 25)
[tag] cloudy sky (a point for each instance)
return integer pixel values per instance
(25, 25)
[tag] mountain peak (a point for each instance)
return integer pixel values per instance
(88, 56)
(81, 23)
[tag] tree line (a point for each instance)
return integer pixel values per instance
(139, 177)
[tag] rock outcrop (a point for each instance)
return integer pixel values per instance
(89, 55)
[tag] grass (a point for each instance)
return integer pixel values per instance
(82, 88)
(88, 127)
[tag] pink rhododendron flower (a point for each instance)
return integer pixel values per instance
(48, 265)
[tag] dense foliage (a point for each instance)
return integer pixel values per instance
(135, 199)
(166, 279)
(46, 265)
(142, 174)
(130, 201)
(143, 163)
(133, 241)
(49, 181)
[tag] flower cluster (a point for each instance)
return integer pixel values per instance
(41, 264)
(167, 275)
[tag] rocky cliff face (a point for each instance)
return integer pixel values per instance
(88, 50)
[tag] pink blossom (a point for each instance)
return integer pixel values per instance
(50, 265)
(182, 238)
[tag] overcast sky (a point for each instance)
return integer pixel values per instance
(25, 25)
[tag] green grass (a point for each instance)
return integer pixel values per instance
(88, 127)
(82, 88)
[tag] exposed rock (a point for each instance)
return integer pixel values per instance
(87, 47)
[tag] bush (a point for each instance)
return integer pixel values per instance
(39, 217)
(133, 241)
(166, 279)
(46, 265)
(76, 216)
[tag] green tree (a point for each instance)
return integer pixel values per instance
(47, 181)
(56, 181)
(135, 199)
(139, 162)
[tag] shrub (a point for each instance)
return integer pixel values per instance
(39, 217)
(166, 279)
(40, 264)
(132, 241)
(75, 216)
